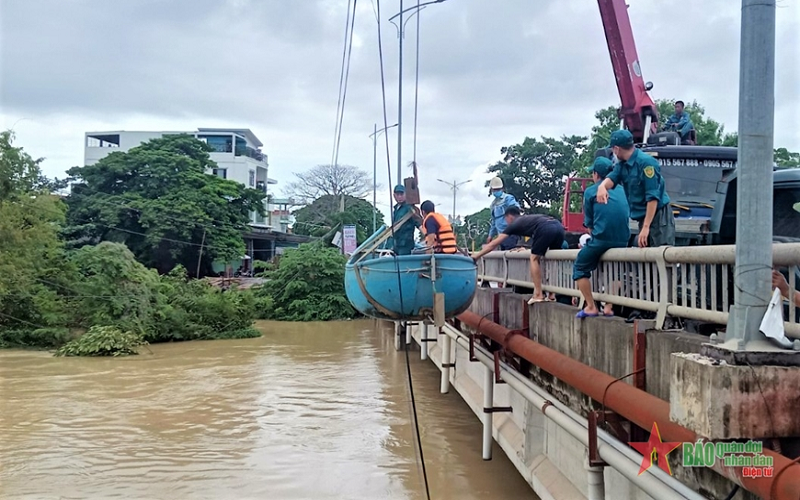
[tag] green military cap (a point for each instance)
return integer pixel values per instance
(621, 138)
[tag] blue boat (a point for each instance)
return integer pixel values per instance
(402, 288)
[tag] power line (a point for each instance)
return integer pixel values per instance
(346, 69)
(341, 81)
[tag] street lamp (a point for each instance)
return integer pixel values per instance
(401, 29)
(454, 186)
(374, 137)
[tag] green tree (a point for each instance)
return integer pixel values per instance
(476, 228)
(534, 171)
(787, 159)
(324, 215)
(709, 131)
(307, 286)
(32, 254)
(158, 200)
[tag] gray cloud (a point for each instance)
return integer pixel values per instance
(490, 74)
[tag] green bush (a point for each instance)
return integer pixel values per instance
(40, 337)
(307, 286)
(103, 341)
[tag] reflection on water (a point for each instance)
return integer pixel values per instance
(310, 410)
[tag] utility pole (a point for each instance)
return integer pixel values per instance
(401, 33)
(200, 253)
(374, 137)
(400, 101)
(752, 275)
(454, 186)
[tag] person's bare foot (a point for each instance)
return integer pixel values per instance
(608, 310)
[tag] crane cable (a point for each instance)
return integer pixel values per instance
(397, 266)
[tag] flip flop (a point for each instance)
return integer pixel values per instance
(610, 315)
(536, 301)
(583, 314)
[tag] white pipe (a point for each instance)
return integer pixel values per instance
(445, 384)
(595, 481)
(655, 483)
(397, 333)
(408, 335)
(488, 403)
(423, 342)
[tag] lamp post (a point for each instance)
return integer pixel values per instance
(374, 137)
(401, 33)
(454, 186)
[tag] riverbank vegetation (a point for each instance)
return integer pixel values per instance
(308, 285)
(68, 273)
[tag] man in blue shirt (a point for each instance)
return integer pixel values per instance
(640, 175)
(680, 122)
(404, 236)
(608, 225)
(497, 222)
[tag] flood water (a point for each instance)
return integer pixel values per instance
(314, 410)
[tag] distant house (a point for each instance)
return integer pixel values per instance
(237, 153)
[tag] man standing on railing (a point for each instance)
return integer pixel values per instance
(608, 225)
(404, 236)
(546, 234)
(640, 175)
(497, 223)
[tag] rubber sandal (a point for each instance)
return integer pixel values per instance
(583, 314)
(536, 301)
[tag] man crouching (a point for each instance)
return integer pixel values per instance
(608, 225)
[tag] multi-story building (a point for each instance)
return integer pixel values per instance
(237, 153)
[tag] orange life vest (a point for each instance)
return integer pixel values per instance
(445, 239)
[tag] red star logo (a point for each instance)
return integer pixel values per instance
(654, 450)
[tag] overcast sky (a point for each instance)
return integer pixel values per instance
(491, 73)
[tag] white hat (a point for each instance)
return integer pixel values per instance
(496, 183)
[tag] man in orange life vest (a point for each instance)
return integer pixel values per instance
(439, 237)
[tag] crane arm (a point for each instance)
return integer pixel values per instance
(636, 102)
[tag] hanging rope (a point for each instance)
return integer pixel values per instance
(397, 266)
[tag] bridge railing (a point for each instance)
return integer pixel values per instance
(685, 282)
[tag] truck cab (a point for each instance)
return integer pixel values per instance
(701, 182)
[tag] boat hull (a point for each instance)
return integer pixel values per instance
(400, 288)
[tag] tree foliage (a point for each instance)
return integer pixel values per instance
(103, 341)
(323, 215)
(476, 228)
(534, 171)
(307, 286)
(158, 200)
(329, 180)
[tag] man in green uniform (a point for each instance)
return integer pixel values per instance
(404, 236)
(608, 225)
(640, 175)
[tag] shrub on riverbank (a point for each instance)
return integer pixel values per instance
(106, 287)
(103, 341)
(307, 286)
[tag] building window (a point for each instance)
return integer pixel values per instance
(220, 172)
(252, 178)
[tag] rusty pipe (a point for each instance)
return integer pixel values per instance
(636, 405)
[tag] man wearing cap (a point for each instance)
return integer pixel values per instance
(680, 122)
(608, 225)
(640, 175)
(404, 235)
(497, 223)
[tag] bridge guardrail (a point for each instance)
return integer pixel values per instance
(687, 282)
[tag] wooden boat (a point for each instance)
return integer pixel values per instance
(403, 287)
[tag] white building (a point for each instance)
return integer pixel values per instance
(237, 153)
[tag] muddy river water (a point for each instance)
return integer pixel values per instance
(309, 410)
